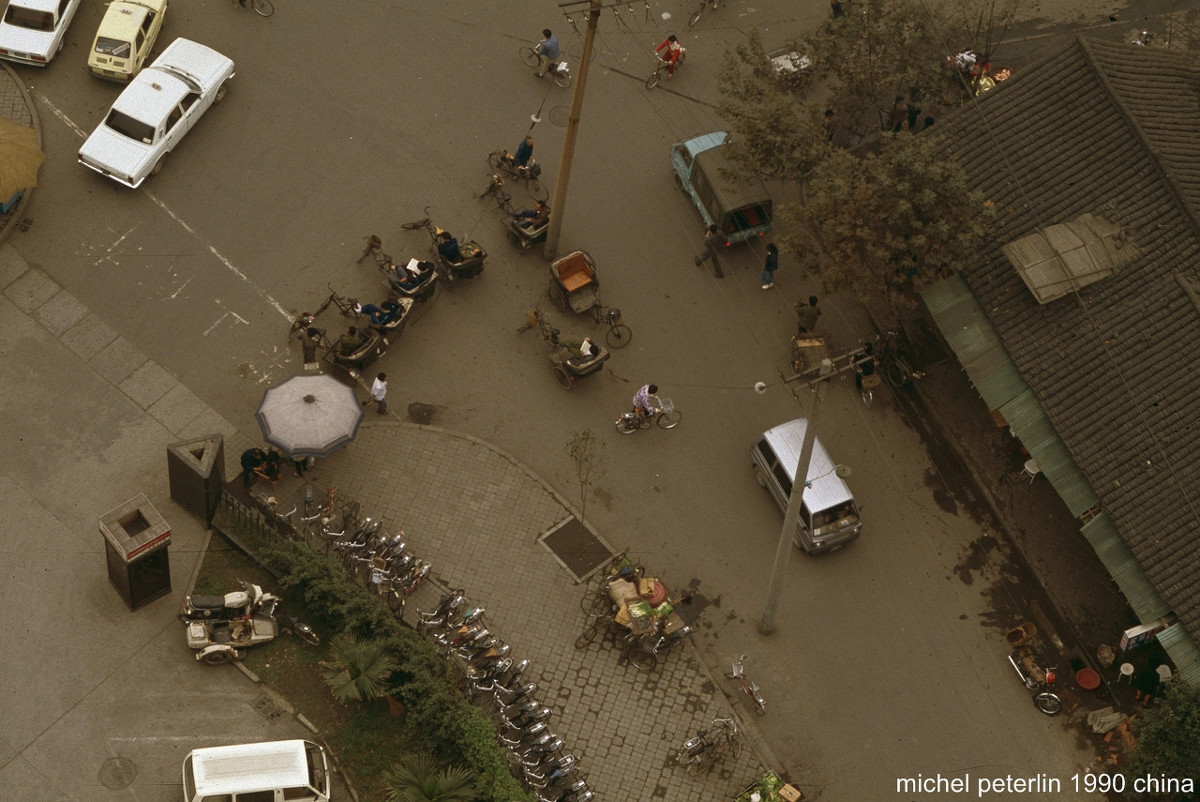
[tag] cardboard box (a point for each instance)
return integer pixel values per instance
(790, 794)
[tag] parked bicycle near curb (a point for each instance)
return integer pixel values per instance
(708, 746)
(749, 687)
(893, 358)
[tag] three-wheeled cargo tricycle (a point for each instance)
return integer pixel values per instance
(569, 363)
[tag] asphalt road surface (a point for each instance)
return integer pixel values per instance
(348, 119)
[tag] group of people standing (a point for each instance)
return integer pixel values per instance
(806, 313)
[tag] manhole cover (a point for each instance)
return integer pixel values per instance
(117, 773)
(268, 707)
(420, 413)
(579, 551)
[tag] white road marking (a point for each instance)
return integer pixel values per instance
(60, 114)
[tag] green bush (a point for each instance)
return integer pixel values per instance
(439, 720)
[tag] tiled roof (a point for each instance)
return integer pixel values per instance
(1111, 130)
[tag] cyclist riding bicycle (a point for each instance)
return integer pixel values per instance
(643, 400)
(671, 52)
(547, 51)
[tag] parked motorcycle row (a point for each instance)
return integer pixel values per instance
(498, 685)
(217, 627)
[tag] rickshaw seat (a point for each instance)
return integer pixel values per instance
(576, 280)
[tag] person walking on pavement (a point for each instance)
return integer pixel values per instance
(378, 394)
(711, 240)
(770, 266)
(807, 316)
(252, 459)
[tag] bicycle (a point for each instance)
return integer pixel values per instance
(709, 746)
(663, 64)
(699, 12)
(501, 161)
(618, 335)
(896, 370)
(264, 8)
(664, 414)
(495, 190)
(749, 687)
(346, 307)
(557, 69)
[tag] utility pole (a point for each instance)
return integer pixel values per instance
(558, 207)
(784, 548)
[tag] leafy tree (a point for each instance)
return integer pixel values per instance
(1169, 740)
(888, 223)
(362, 669)
(890, 216)
(418, 778)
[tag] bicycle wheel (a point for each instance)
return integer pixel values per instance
(652, 81)
(527, 55)
(536, 190)
(669, 420)
(623, 427)
(563, 79)
(265, 8)
(696, 17)
(596, 604)
(735, 744)
(642, 658)
(696, 764)
(618, 336)
(563, 377)
(897, 372)
(588, 635)
(495, 160)
(396, 601)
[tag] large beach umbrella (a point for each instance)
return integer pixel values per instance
(20, 158)
(309, 416)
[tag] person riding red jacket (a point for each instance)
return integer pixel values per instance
(674, 51)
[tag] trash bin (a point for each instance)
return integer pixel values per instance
(196, 469)
(136, 539)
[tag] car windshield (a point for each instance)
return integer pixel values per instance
(113, 47)
(29, 18)
(134, 129)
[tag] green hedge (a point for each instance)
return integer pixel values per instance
(439, 719)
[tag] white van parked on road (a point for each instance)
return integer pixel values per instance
(829, 518)
(273, 771)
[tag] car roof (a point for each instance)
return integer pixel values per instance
(123, 18)
(151, 95)
(828, 489)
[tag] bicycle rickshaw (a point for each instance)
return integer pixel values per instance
(414, 280)
(375, 337)
(472, 253)
(521, 234)
(568, 364)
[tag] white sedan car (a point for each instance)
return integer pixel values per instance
(32, 31)
(153, 113)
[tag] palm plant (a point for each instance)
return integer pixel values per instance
(417, 778)
(362, 669)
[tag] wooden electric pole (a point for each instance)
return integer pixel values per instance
(558, 206)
